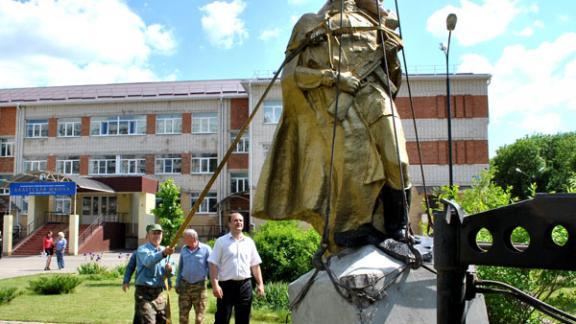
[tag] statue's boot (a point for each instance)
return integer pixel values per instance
(395, 212)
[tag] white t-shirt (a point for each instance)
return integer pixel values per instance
(234, 257)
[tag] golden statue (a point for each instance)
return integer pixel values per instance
(370, 172)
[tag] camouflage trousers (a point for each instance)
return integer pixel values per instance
(150, 305)
(192, 295)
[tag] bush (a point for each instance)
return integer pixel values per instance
(92, 268)
(7, 294)
(55, 285)
(285, 249)
(276, 297)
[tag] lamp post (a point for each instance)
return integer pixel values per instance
(450, 25)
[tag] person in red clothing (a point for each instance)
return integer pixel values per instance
(48, 245)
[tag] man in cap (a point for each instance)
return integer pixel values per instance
(152, 266)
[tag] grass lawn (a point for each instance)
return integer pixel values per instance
(94, 302)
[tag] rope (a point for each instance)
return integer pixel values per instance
(225, 159)
(412, 110)
(483, 286)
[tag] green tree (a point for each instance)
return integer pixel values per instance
(548, 161)
(169, 211)
(285, 249)
(553, 287)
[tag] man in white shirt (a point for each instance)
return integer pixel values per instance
(233, 261)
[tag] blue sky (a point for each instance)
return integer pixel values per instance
(528, 46)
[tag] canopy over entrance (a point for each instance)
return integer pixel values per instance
(84, 183)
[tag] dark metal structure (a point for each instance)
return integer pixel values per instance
(456, 248)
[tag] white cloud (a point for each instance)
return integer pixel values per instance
(269, 34)
(477, 23)
(530, 81)
(526, 32)
(546, 123)
(474, 63)
(56, 42)
(222, 25)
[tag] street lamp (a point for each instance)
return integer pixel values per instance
(450, 25)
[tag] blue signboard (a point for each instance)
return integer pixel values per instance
(42, 189)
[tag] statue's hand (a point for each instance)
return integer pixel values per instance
(348, 83)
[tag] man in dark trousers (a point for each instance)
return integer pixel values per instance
(233, 261)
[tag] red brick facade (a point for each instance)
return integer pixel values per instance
(85, 126)
(150, 124)
(52, 127)
(238, 161)
(150, 163)
(436, 152)
(6, 164)
(186, 160)
(186, 123)
(8, 121)
(435, 107)
(51, 163)
(84, 160)
(238, 112)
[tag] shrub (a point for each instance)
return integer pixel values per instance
(276, 297)
(285, 249)
(92, 268)
(54, 285)
(7, 294)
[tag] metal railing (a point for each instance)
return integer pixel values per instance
(90, 229)
(208, 232)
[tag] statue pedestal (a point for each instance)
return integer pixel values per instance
(393, 294)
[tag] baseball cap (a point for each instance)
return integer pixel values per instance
(153, 227)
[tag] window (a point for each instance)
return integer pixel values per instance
(118, 125)
(37, 128)
(103, 165)
(62, 204)
(203, 123)
(34, 165)
(6, 147)
(4, 191)
(132, 164)
(71, 165)
(168, 124)
(68, 127)
(208, 204)
(272, 112)
(243, 145)
(168, 163)
(204, 163)
(239, 182)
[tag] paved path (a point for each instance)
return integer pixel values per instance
(17, 266)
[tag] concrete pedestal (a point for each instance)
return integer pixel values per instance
(392, 294)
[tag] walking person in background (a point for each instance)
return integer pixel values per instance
(193, 270)
(60, 247)
(48, 247)
(233, 259)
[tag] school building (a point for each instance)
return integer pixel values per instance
(117, 142)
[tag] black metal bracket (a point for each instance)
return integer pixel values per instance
(456, 246)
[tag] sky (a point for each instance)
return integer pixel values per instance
(527, 46)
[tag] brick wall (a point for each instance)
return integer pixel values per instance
(436, 152)
(6, 164)
(150, 124)
(85, 126)
(186, 123)
(238, 112)
(435, 107)
(8, 121)
(52, 127)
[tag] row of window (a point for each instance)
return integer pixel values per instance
(107, 205)
(128, 164)
(202, 123)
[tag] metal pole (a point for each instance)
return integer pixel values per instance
(449, 115)
(450, 287)
(450, 25)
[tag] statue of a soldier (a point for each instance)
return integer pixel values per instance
(370, 171)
